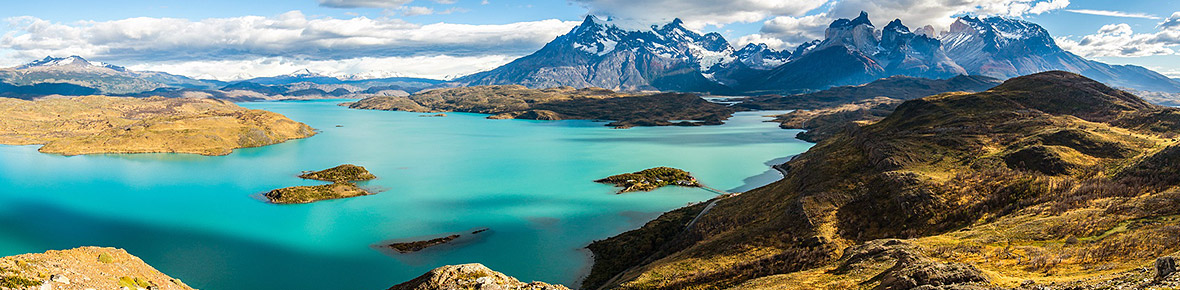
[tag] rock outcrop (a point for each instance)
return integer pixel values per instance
(83, 268)
(470, 276)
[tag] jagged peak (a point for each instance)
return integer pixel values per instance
(754, 46)
(591, 20)
(896, 26)
(844, 22)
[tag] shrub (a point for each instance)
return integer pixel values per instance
(105, 258)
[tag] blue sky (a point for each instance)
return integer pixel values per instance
(445, 38)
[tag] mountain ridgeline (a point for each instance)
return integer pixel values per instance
(671, 57)
(76, 76)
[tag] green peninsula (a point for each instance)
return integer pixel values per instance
(560, 103)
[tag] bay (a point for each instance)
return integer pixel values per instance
(200, 219)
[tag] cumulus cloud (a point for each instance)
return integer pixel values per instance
(1120, 40)
(1113, 13)
(291, 35)
(438, 67)
(787, 31)
(698, 13)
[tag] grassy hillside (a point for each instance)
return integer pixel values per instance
(561, 103)
(1047, 178)
(100, 124)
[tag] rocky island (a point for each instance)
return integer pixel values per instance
(101, 124)
(342, 173)
(83, 268)
(314, 193)
(342, 186)
(560, 103)
(414, 246)
(651, 179)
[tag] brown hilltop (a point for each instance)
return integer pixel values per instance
(100, 124)
(1049, 178)
(83, 268)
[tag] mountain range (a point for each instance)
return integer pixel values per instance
(853, 51)
(668, 57)
(74, 76)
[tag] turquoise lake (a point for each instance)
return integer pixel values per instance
(200, 219)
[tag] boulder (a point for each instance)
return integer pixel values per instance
(1164, 266)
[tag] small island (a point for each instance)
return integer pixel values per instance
(314, 193)
(342, 173)
(651, 179)
(414, 246)
(342, 186)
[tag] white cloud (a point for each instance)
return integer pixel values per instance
(1120, 40)
(771, 42)
(1113, 13)
(1173, 22)
(698, 13)
(416, 10)
(438, 67)
(291, 35)
(364, 3)
(789, 31)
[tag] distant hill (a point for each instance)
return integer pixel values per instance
(896, 87)
(43, 89)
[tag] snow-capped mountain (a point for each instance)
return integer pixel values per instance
(1003, 48)
(760, 56)
(854, 51)
(106, 78)
(78, 62)
(600, 54)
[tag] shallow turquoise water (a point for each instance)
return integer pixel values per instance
(199, 218)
